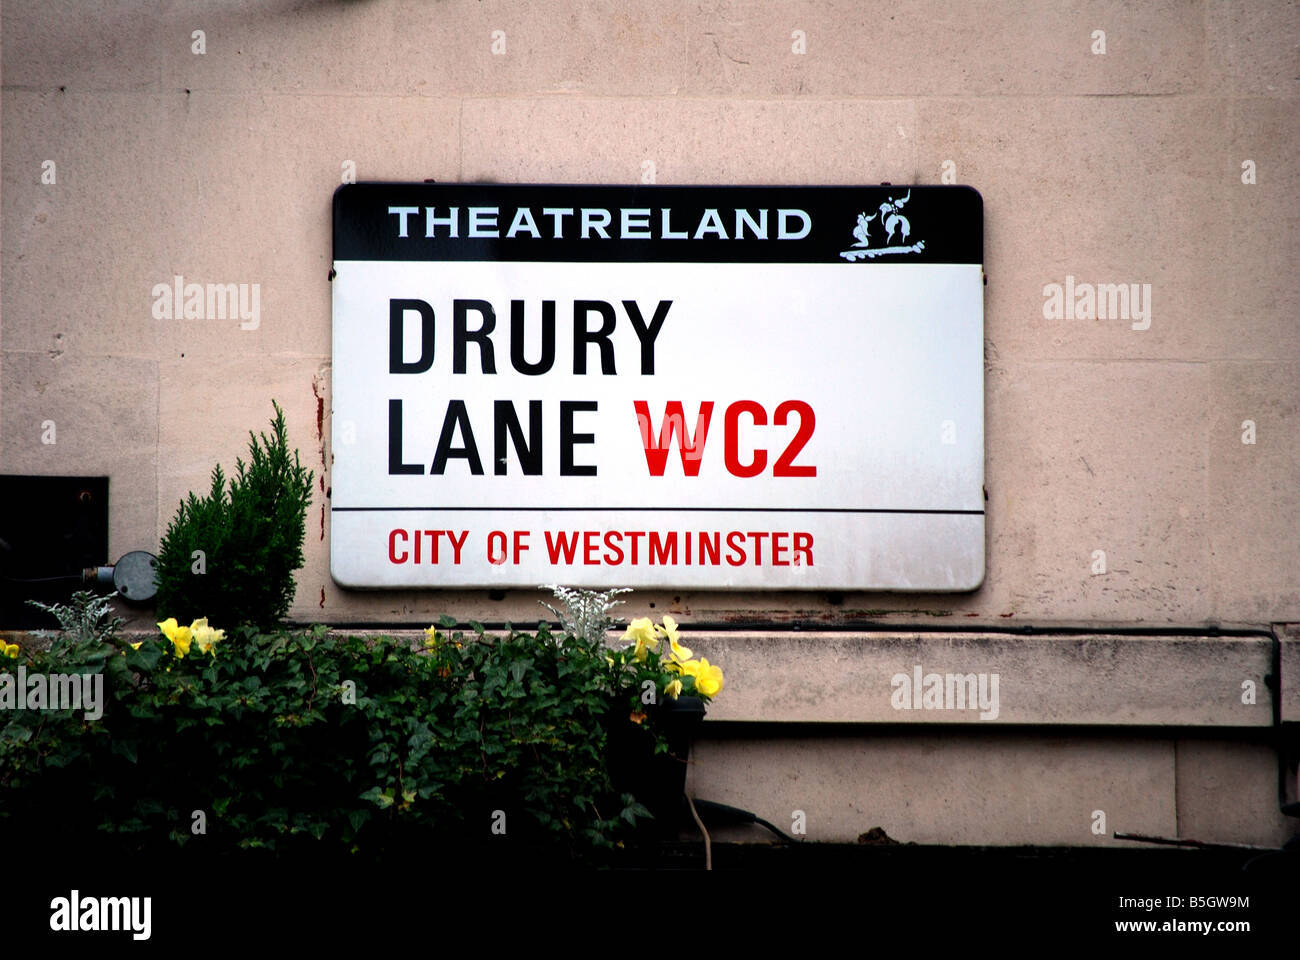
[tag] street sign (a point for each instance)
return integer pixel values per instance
(705, 387)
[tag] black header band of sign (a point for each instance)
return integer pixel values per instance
(636, 224)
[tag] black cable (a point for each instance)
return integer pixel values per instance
(66, 576)
(763, 823)
(744, 816)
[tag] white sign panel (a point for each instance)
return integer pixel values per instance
(750, 387)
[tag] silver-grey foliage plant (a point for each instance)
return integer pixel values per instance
(586, 612)
(82, 620)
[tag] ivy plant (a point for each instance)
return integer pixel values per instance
(299, 741)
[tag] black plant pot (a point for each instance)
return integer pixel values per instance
(658, 781)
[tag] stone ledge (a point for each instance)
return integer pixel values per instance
(1101, 679)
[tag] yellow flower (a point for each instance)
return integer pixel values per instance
(674, 689)
(9, 649)
(434, 637)
(642, 631)
(181, 637)
(708, 678)
(690, 668)
(205, 637)
(669, 631)
(136, 645)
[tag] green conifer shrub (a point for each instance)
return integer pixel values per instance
(250, 533)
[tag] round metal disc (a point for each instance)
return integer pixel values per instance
(136, 575)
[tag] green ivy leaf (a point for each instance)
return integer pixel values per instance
(519, 668)
(381, 798)
(634, 810)
(144, 659)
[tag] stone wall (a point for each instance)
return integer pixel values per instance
(128, 157)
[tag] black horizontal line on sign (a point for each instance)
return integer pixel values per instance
(656, 510)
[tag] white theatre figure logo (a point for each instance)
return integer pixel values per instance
(893, 223)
